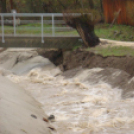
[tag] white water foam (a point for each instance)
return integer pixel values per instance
(80, 107)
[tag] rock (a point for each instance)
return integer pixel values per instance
(51, 118)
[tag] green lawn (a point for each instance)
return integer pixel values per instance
(116, 32)
(35, 29)
(112, 51)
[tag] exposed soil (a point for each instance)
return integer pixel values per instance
(54, 56)
(74, 59)
(90, 60)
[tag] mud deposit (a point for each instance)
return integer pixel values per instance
(83, 100)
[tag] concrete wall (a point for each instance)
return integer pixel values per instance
(49, 42)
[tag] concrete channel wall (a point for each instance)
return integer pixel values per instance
(49, 42)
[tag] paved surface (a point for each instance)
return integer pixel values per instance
(116, 43)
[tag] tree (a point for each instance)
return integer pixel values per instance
(48, 6)
(35, 6)
(6, 5)
(3, 6)
(91, 4)
(83, 23)
(11, 3)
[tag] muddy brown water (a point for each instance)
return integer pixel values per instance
(83, 100)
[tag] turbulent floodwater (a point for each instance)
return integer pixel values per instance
(82, 102)
(80, 106)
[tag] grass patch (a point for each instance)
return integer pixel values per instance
(35, 29)
(76, 47)
(116, 32)
(113, 51)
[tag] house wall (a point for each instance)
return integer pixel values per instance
(126, 16)
(130, 12)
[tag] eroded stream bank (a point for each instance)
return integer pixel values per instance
(83, 100)
(74, 60)
(85, 59)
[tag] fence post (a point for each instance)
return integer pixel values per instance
(42, 30)
(2, 28)
(14, 23)
(53, 25)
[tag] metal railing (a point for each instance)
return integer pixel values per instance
(42, 16)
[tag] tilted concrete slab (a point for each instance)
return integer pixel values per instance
(19, 112)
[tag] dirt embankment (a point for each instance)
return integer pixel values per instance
(122, 68)
(73, 59)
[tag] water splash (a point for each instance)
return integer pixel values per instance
(80, 106)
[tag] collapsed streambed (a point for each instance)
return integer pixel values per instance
(82, 100)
